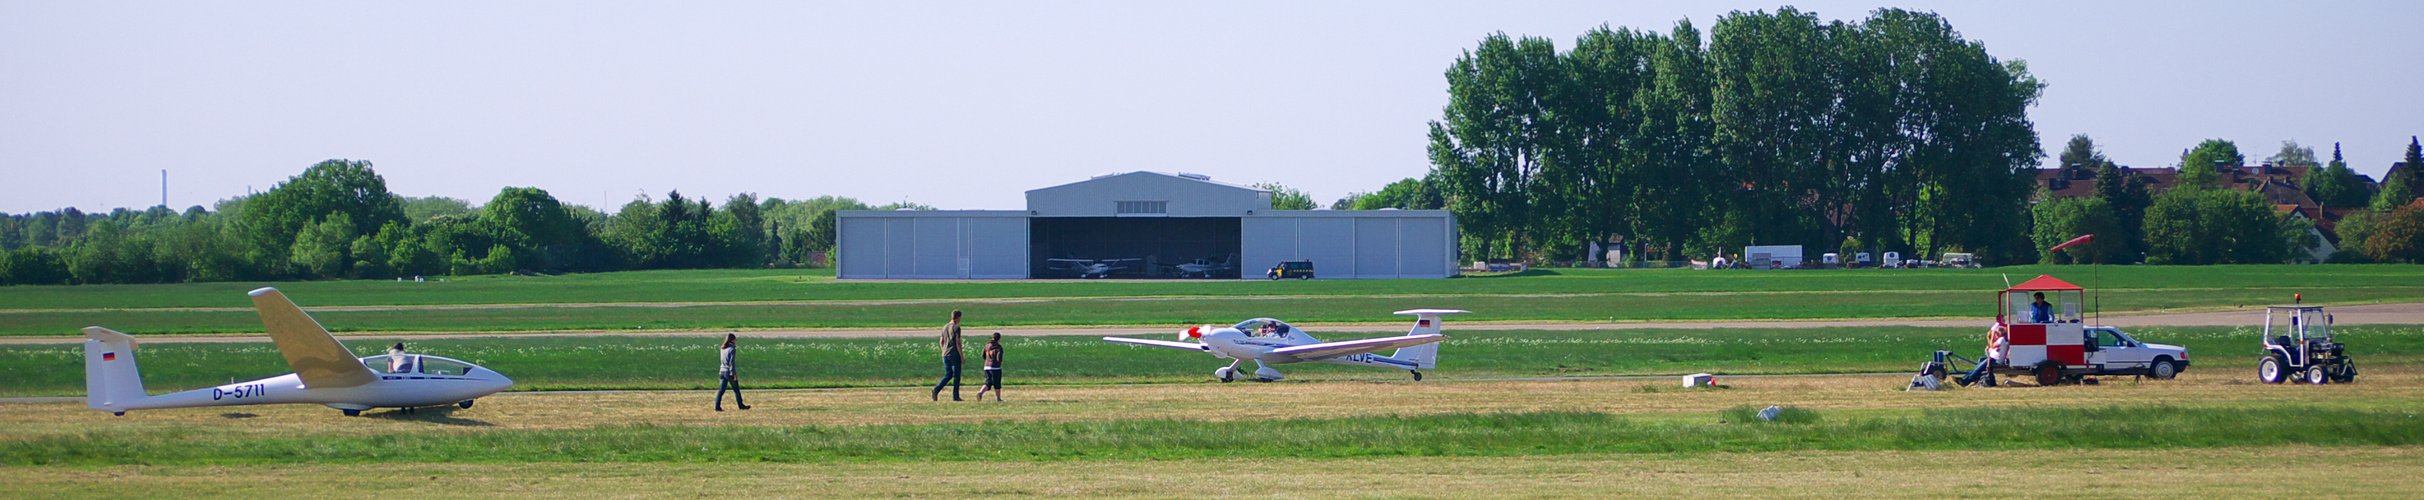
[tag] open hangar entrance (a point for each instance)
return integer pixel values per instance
(1134, 247)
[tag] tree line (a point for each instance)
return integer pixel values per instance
(338, 220)
(1891, 133)
(2198, 221)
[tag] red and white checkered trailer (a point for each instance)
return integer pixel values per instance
(2047, 340)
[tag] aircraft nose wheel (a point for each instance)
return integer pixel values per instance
(466, 404)
(1417, 375)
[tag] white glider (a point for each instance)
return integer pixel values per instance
(1269, 342)
(325, 373)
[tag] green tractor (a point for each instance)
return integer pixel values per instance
(2298, 346)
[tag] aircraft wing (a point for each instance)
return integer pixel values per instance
(1327, 350)
(1191, 346)
(315, 355)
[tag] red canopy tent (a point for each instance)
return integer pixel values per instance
(2043, 283)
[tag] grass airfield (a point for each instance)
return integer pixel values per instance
(1089, 419)
(2208, 433)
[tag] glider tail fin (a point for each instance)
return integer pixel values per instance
(1424, 356)
(111, 381)
(1426, 322)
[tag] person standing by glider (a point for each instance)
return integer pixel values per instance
(395, 358)
(951, 359)
(993, 369)
(730, 373)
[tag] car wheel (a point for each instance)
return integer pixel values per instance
(2270, 370)
(2049, 374)
(2316, 375)
(2164, 369)
(1305, 277)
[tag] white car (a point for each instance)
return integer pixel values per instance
(2115, 353)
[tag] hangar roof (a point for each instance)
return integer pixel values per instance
(1147, 194)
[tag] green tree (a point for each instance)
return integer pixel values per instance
(274, 218)
(33, 266)
(1287, 198)
(2335, 185)
(739, 231)
(2202, 166)
(321, 248)
(424, 208)
(2293, 155)
(2398, 189)
(1489, 145)
(2128, 197)
(2399, 237)
(2195, 226)
(2059, 220)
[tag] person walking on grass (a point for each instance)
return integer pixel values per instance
(993, 369)
(730, 373)
(951, 359)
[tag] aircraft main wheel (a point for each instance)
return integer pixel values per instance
(1225, 375)
(1263, 380)
(466, 404)
(1417, 376)
(353, 413)
(118, 414)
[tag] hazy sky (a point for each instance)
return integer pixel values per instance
(968, 105)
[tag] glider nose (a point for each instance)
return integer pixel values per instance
(494, 382)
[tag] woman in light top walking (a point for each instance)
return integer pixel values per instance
(730, 372)
(993, 369)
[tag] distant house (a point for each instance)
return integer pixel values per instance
(2277, 184)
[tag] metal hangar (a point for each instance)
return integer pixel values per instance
(1143, 225)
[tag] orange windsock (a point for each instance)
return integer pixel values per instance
(2074, 241)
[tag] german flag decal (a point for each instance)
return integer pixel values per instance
(109, 356)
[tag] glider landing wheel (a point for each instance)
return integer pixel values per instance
(1417, 375)
(466, 404)
(118, 414)
(353, 413)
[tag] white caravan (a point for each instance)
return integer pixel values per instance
(1269, 342)
(325, 373)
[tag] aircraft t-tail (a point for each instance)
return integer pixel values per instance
(325, 373)
(1269, 342)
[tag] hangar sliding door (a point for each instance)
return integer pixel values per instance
(1354, 245)
(933, 246)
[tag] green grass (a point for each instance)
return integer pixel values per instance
(1172, 312)
(1543, 433)
(818, 285)
(540, 363)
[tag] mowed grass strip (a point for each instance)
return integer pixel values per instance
(2233, 472)
(612, 362)
(1516, 434)
(1176, 313)
(696, 286)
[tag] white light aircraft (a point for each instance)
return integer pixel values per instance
(1269, 342)
(1090, 268)
(325, 373)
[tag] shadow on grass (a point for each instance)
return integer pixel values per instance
(442, 415)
